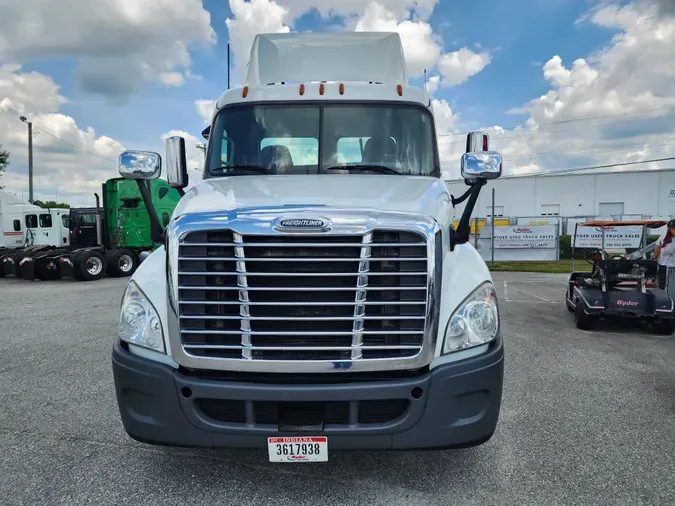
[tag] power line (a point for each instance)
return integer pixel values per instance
(75, 145)
(561, 122)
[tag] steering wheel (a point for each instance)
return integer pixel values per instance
(592, 256)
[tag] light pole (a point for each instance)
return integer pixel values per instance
(30, 158)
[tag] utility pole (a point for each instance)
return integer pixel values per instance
(30, 158)
(202, 147)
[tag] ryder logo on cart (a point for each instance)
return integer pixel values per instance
(627, 303)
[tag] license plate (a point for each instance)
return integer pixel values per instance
(298, 449)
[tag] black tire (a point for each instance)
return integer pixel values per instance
(47, 269)
(583, 320)
(122, 263)
(89, 265)
(664, 327)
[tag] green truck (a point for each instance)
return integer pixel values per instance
(109, 238)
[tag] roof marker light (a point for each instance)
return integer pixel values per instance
(302, 89)
(342, 89)
(244, 93)
(322, 88)
(399, 88)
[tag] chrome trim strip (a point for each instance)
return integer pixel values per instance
(259, 221)
(297, 274)
(361, 294)
(301, 259)
(302, 288)
(244, 310)
(306, 244)
(299, 318)
(296, 348)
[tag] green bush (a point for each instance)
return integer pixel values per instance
(565, 248)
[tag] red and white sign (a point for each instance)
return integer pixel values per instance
(298, 449)
(615, 237)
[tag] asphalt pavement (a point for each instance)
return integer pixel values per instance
(587, 418)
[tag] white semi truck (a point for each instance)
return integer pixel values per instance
(23, 224)
(311, 293)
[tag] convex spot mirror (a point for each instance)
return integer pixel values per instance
(479, 162)
(140, 165)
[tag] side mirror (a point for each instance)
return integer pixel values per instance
(140, 165)
(206, 132)
(176, 163)
(481, 165)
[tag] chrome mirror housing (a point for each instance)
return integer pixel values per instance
(481, 165)
(140, 165)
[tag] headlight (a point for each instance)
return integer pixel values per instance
(139, 322)
(474, 322)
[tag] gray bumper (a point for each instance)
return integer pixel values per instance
(455, 405)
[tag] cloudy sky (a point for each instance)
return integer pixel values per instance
(559, 84)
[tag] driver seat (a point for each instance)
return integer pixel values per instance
(277, 158)
(380, 149)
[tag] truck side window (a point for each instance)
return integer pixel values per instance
(31, 221)
(45, 221)
(66, 221)
(17, 225)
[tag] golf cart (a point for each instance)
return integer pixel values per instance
(618, 285)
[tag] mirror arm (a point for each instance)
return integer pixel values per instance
(460, 199)
(461, 235)
(156, 231)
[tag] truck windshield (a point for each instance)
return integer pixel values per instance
(312, 139)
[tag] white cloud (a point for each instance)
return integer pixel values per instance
(73, 169)
(118, 44)
(421, 48)
(205, 109)
(433, 84)
(457, 67)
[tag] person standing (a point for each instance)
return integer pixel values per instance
(665, 254)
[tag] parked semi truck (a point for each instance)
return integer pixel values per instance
(311, 293)
(106, 239)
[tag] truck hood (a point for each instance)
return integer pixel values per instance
(412, 194)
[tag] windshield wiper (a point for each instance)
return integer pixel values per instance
(243, 168)
(365, 168)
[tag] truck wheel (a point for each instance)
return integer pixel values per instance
(90, 265)
(664, 327)
(583, 321)
(122, 263)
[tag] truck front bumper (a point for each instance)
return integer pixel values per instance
(452, 406)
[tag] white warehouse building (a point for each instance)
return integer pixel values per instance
(568, 198)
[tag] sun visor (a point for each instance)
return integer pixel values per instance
(315, 57)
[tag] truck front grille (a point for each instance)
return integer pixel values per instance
(332, 297)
